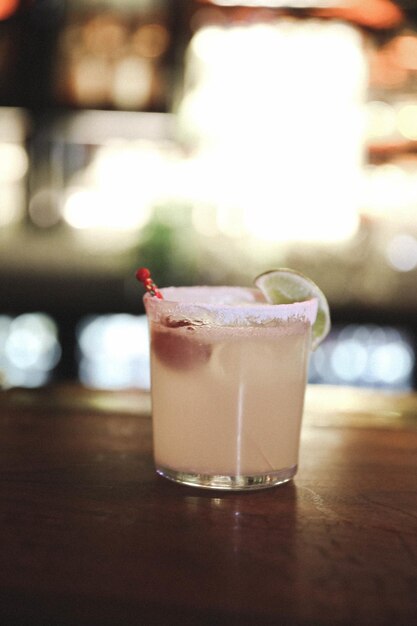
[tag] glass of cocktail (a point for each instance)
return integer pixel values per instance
(228, 378)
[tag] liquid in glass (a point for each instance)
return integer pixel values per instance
(228, 375)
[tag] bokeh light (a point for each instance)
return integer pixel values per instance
(119, 188)
(44, 207)
(406, 50)
(294, 171)
(7, 8)
(114, 352)
(382, 120)
(14, 162)
(407, 121)
(29, 349)
(365, 356)
(14, 167)
(390, 189)
(131, 83)
(401, 252)
(150, 40)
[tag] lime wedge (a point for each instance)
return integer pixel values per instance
(284, 286)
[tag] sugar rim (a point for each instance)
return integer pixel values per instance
(250, 309)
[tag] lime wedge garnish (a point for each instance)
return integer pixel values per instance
(284, 286)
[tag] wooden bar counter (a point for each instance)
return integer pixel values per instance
(90, 535)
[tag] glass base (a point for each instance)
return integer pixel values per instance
(229, 483)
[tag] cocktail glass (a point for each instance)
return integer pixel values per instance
(228, 379)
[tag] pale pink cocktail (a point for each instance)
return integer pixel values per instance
(228, 374)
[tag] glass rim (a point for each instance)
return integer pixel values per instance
(244, 306)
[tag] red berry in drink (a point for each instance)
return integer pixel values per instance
(179, 349)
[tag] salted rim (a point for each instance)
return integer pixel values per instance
(238, 306)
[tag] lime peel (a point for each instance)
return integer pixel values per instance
(285, 286)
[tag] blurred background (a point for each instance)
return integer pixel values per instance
(211, 141)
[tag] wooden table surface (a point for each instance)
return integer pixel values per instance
(90, 535)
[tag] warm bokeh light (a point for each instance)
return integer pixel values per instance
(90, 208)
(377, 14)
(14, 162)
(119, 188)
(381, 120)
(131, 83)
(406, 50)
(7, 8)
(12, 204)
(150, 40)
(390, 190)
(14, 165)
(407, 121)
(111, 58)
(287, 153)
(91, 78)
(104, 34)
